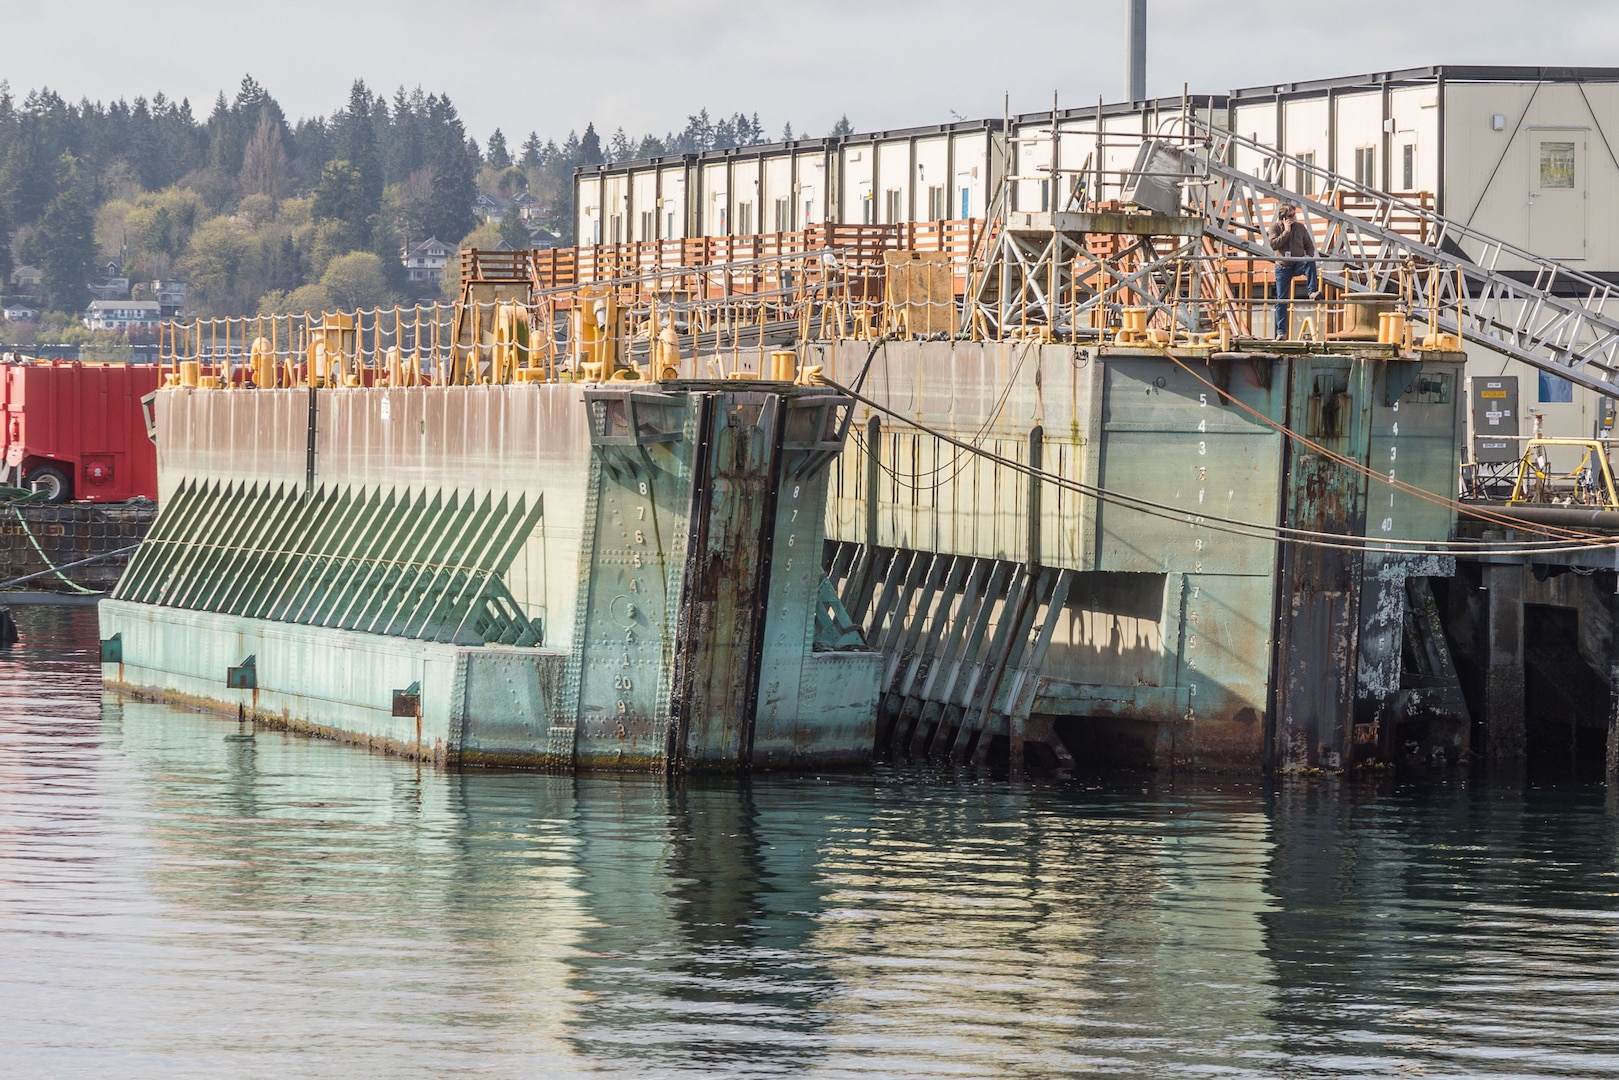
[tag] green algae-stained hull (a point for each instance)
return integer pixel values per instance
(529, 575)
(709, 576)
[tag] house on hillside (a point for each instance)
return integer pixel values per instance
(19, 314)
(492, 208)
(425, 262)
(27, 277)
(127, 316)
(170, 296)
(111, 287)
(542, 238)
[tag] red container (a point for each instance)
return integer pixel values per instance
(80, 422)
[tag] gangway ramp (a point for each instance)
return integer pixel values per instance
(1512, 300)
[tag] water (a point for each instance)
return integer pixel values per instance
(174, 903)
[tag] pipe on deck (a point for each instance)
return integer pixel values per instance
(1571, 517)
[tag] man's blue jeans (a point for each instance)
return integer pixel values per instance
(1286, 271)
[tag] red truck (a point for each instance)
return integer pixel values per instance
(78, 431)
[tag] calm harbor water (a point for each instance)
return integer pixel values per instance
(177, 903)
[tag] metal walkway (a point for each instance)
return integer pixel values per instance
(1512, 300)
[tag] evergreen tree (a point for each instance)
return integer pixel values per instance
(513, 231)
(340, 199)
(407, 135)
(221, 137)
(63, 242)
(590, 147)
(5, 245)
(359, 149)
(533, 151)
(448, 213)
(724, 134)
(841, 128)
(696, 136)
(497, 154)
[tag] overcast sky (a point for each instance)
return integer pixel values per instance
(646, 65)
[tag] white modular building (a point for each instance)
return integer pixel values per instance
(1527, 154)
(884, 177)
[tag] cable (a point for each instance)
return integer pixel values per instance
(871, 354)
(983, 430)
(1248, 529)
(1453, 505)
(51, 567)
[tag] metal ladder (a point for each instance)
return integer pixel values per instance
(1512, 300)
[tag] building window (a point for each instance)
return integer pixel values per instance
(1555, 390)
(936, 203)
(809, 211)
(669, 223)
(595, 231)
(892, 198)
(744, 219)
(783, 219)
(1408, 167)
(618, 229)
(866, 208)
(1303, 175)
(646, 225)
(1045, 195)
(1557, 165)
(966, 203)
(1366, 166)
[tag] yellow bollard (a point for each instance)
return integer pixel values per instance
(667, 362)
(318, 362)
(262, 360)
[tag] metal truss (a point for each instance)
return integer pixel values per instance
(1531, 308)
(1026, 275)
(1047, 278)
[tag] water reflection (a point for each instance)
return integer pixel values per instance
(1455, 928)
(175, 901)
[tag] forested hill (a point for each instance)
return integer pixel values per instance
(258, 212)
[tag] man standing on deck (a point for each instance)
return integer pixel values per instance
(1290, 239)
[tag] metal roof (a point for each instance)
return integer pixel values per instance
(1433, 73)
(756, 150)
(1163, 105)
